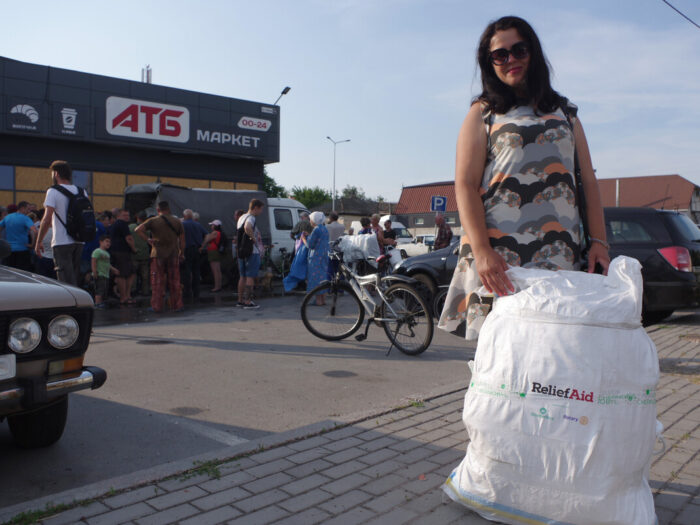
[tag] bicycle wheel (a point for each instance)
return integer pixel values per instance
(411, 326)
(339, 318)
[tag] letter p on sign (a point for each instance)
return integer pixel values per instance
(438, 203)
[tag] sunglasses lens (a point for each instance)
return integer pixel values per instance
(499, 56)
(519, 50)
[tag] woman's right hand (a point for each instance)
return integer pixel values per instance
(491, 268)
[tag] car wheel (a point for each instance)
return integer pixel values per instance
(425, 287)
(649, 318)
(41, 427)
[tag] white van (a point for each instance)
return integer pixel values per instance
(284, 214)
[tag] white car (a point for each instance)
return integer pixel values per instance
(420, 245)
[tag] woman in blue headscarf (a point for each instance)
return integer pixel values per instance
(317, 243)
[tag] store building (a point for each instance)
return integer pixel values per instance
(117, 132)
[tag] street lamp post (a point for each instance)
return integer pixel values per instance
(335, 143)
(284, 92)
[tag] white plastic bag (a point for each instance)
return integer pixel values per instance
(561, 408)
(359, 247)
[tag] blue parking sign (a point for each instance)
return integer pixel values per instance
(438, 203)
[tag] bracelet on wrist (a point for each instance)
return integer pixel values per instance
(602, 242)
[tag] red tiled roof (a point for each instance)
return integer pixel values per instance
(655, 191)
(416, 199)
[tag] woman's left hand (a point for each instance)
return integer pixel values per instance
(598, 254)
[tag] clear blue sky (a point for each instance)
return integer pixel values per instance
(394, 76)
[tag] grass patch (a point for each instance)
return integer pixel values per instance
(34, 516)
(208, 468)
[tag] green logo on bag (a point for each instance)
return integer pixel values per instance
(522, 394)
(503, 386)
(543, 411)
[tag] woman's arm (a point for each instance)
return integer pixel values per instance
(469, 170)
(312, 239)
(598, 252)
(210, 237)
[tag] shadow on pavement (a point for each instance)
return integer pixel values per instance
(104, 439)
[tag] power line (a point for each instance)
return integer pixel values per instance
(680, 13)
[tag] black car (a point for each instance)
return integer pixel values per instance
(667, 243)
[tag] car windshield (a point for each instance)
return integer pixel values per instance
(686, 227)
(403, 233)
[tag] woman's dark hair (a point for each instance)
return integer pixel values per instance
(500, 97)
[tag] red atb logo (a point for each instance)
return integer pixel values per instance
(147, 120)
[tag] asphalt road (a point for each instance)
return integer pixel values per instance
(183, 384)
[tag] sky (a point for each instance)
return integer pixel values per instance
(396, 77)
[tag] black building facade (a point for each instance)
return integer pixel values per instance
(117, 132)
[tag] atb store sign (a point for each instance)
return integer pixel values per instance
(142, 119)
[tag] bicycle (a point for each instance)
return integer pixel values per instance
(388, 300)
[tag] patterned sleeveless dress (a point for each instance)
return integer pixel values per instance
(532, 218)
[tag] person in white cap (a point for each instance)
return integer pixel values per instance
(211, 243)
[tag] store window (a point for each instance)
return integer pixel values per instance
(419, 221)
(450, 220)
(82, 179)
(7, 178)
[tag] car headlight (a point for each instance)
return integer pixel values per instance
(63, 331)
(24, 335)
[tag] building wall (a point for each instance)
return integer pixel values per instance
(106, 189)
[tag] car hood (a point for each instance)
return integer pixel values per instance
(21, 290)
(428, 257)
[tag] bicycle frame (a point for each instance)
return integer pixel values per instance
(360, 285)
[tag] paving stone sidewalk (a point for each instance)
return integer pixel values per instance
(389, 469)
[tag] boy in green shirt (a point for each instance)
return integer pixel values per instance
(100, 270)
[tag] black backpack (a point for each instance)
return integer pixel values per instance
(80, 218)
(244, 244)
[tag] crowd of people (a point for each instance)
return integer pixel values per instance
(149, 255)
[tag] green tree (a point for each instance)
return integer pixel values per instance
(310, 197)
(353, 192)
(272, 188)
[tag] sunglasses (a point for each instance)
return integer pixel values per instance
(500, 56)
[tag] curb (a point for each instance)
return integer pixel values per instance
(166, 470)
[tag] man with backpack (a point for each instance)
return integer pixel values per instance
(70, 215)
(249, 248)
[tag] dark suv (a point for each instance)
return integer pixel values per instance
(667, 243)
(45, 329)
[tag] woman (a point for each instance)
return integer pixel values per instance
(211, 243)
(317, 243)
(514, 180)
